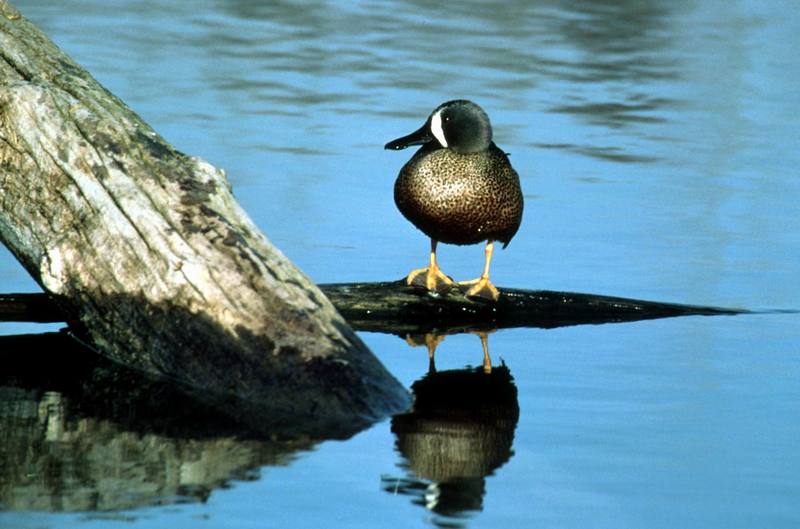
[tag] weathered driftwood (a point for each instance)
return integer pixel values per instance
(145, 249)
(393, 307)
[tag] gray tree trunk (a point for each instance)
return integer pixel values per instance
(147, 251)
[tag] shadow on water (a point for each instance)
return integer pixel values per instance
(459, 431)
(78, 433)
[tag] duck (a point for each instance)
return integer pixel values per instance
(458, 188)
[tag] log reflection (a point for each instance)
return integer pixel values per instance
(460, 430)
(79, 433)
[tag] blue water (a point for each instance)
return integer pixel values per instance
(658, 147)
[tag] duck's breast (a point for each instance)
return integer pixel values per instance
(461, 198)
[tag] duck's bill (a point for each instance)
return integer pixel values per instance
(418, 137)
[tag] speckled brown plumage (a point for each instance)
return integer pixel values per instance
(458, 188)
(460, 198)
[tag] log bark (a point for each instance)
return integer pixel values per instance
(146, 250)
(394, 308)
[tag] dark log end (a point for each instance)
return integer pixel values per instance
(394, 307)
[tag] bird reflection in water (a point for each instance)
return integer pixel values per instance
(460, 430)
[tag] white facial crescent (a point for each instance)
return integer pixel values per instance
(436, 129)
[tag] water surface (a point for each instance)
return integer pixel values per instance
(657, 147)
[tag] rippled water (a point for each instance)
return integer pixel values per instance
(658, 148)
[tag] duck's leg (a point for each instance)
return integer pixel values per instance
(487, 360)
(482, 287)
(432, 277)
(431, 341)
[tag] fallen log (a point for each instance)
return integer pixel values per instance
(392, 307)
(32, 308)
(145, 251)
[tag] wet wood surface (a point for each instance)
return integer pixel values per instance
(396, 308)
(392, 307)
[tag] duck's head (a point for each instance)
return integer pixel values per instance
(458, 125)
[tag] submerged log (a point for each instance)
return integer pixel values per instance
(392, 307)
(396, 308)
(33, 308)
(145, 250)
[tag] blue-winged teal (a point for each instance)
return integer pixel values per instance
(458, 188)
